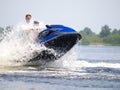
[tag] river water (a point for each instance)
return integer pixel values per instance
(82, 68)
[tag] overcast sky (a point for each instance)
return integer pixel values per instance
(74, 13)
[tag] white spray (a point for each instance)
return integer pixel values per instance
(18, 46)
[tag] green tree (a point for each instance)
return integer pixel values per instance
(119, 31)
(85, 40)
(105, 31)
(115, 31)
(1, 33)
(9, 28)
(1, 30)
(89, 37)
(105, 37)
(87, 31)
(112, 39)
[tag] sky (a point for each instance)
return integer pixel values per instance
(77, 14)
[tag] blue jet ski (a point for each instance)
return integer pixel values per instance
(58, 38)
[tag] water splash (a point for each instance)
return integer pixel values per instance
(18, 46)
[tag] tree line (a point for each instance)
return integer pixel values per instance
(107, 36)
(5, 30)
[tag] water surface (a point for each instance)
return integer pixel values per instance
(83, 68)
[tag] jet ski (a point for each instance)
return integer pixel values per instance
(59, 39)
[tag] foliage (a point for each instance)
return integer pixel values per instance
(1, 33)
(1, 30)
(105, 31)
(112, 39)
(107, 36)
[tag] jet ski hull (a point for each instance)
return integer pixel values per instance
(59, 40)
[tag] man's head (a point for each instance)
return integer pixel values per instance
(28, 18)
(36, 22)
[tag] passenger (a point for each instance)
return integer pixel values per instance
(37, 28)
(36, 25)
